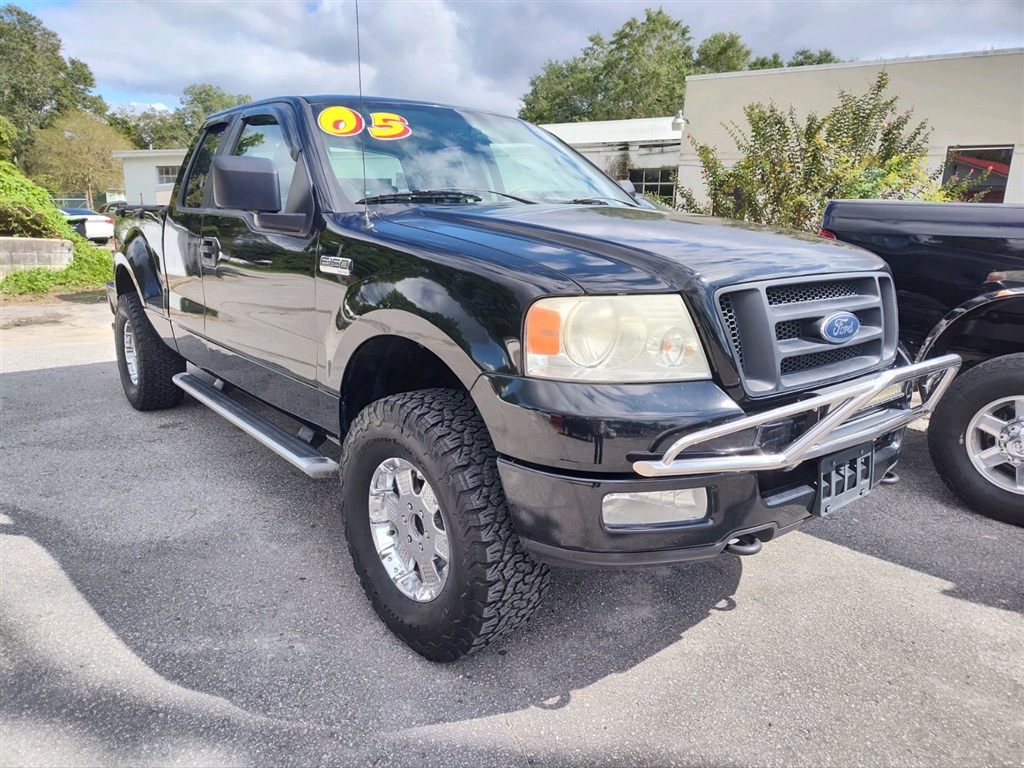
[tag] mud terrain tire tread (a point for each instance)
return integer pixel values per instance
(493, 585)
(156, 362)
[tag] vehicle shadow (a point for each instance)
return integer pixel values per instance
(918, 523)
(223, 572)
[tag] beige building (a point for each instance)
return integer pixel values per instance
(973, 102)
(149, 174)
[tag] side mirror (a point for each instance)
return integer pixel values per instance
(246, 184)
(627, 186)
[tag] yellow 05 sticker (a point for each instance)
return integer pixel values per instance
(342, 121)
(387, 126)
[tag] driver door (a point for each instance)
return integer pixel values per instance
(258, 283)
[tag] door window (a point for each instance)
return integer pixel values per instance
(262, 137)
(195, 185)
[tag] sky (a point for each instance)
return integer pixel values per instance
(478, 53)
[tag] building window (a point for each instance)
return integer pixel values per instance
(166, 174)
(975, 162)
(654, 181)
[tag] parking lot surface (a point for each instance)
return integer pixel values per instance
(173, 593)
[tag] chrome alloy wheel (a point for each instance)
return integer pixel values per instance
(130, 358)
(995, 443)
(408, 530)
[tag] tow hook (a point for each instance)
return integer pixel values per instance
(744, 546)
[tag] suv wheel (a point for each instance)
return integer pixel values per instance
(428, 525)
(146, 364)
(976, 438)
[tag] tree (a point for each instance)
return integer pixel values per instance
(74, 155)
(36, 82)
(200, 100)
(150, 129)
(806, 57)
(164, 129)
(722, 52)
(644, 70)
(639, 72)
(565, 91)
(789, 169)
(7, 135)
(767, 62)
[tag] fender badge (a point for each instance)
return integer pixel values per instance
(336, 265)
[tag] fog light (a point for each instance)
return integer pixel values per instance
(892, 392)
(655, 508)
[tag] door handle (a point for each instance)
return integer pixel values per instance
(209, 250)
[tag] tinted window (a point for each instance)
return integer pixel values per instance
(196, 183)
(418, 147)
(262, 137)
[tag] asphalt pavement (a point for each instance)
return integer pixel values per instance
(172, 593)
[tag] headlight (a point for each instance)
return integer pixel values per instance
(613, 339)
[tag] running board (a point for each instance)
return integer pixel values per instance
(295, 450)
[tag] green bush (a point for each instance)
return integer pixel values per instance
(788, 169)
(27, 211)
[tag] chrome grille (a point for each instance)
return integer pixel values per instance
(772, 330)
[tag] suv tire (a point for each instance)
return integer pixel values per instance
(976, 438)
(146, 364)
(428, 526)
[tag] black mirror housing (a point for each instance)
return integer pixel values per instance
(246, 184)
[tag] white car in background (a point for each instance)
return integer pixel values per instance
(93, 226)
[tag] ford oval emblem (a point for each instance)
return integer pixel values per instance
(840, 327)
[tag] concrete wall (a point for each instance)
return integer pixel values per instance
(140, 174)
(28, 252)
(974, 99)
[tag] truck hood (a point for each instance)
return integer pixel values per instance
(607, 249)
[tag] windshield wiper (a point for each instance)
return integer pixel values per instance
(444, 195)
(502, 194)
(423, 196)
(592, 201)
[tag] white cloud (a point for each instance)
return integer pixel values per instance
(465, 51)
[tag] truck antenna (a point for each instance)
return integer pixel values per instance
(367, 224)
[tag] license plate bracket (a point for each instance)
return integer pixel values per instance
(844, 477)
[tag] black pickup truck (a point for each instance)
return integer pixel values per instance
(518, 363)
(959, 272)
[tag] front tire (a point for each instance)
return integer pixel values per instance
(976, 438)
(428, 526)
(146, 364)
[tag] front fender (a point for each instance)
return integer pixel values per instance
(947, 329)
(395, 322)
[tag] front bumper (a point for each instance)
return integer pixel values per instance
(838, 423)
(757, 492)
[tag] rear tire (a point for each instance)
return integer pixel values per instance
(146, 364)
(429, 462)
(976, 438)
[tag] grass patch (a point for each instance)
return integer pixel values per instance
(27, 211)
(90, 267)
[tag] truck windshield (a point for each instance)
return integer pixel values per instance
(425, 154)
